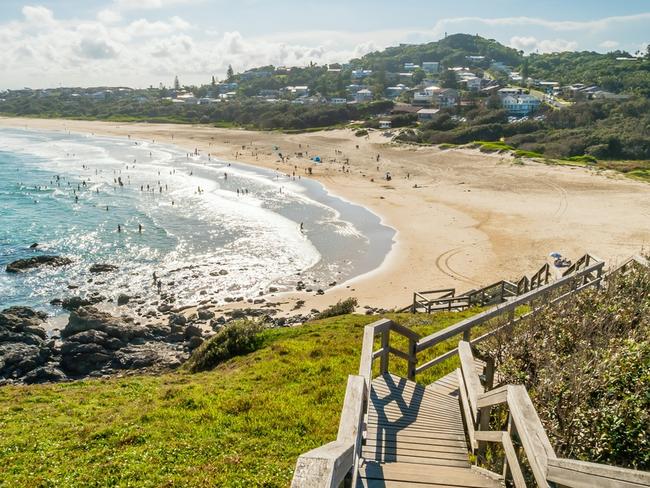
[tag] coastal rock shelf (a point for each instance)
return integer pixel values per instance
(22, 265)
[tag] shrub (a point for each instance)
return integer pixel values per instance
(361, 133)
(236, 338)
(340, 308)
(586, 365)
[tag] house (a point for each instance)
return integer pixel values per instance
(447, 98)
(425, 96)
(426, 114)
(520, 105)
(297, 91)
(207, 101)
(359, 74)
(431, 66)
(473, 83)
(475, 59)
(338, 101)
(411, 66)
(363, 95)
(188, 98)
(509, 92)
(395, 91)
(499, 66)
(385, 124)
(268, 93)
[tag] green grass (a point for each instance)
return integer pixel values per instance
(492, 146)
(519, 153)
(242, 424)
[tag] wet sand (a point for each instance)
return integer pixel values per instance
(472, 219)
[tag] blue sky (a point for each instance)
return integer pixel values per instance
(143, 42)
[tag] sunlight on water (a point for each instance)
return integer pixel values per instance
(203, 239)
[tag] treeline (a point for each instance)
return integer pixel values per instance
(605, 70)
(249, 113)
(602, 129)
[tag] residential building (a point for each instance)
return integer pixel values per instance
(363, 95)
(425, 114)
(410, 66)
(385, 124)
(473, 83)
(447, 98)
(297, 91)
(499, 66)
(395, 91)
(520, 105)
(431, 66)
(338, 101)
(359, 74)
(268, 93)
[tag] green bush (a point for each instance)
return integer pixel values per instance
(340, 308)
(236, 338)
(361, 133)
(583, 159)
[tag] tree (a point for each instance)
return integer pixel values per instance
(214, 82)
(525, 70)
(418, 76)
(230, 73)
(448, 79)
(177, 85)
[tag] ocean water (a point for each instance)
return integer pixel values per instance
(201, 238)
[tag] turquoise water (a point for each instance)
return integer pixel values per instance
(63, 191)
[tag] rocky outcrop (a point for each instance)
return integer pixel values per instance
(74, 302)
(24, 346)
(102, 268)
(22, 265)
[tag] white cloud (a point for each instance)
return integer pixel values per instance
(122, 45)
(609, 44)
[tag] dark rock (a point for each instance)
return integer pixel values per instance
(320, 292)
(22, 325)
(89, 318)
(123, 299)
(102, 268)
(165, 307)
(82, 359)
(205, 314)
(194, 342)
(223, 272)
(73, 303)
(57, 302)
(45, 374)
(192, 331)
(178, 319)
(34, 245)
(24, 264)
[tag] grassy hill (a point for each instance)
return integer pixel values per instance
(241, 424)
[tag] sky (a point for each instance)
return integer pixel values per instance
(138, 43)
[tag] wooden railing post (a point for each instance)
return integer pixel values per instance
(385, 346)
(412, 361)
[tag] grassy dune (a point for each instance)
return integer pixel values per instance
(241, 424)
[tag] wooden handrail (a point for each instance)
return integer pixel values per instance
(499, 309)
(581, 474)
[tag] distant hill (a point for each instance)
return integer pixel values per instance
(450, 51)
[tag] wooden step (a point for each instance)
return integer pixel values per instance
(404, 474)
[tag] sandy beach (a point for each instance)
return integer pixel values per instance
(463, 218)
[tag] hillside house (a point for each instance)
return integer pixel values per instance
(411, 66)
(363, 95)
(338, 101)
(431, 66)
(395, 91)
(426, 114)
(447, 98)
(359, 74)
(385, 124)
(520, 105)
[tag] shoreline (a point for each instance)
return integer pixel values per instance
(470, 221)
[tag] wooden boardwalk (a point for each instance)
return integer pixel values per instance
(394, 432)
(415, 437)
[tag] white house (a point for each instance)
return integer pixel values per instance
(473, 83)
(338, 101)
(298, 91)
(359, 74)
(385, 124)
(520, 105)
(411, 66)
(363, 95)
(447, 98)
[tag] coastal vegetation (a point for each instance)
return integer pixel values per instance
(586, 364)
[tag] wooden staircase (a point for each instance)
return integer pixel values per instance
(415, 437)
(397, 433)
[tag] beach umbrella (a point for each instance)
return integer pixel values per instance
(555, 255)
